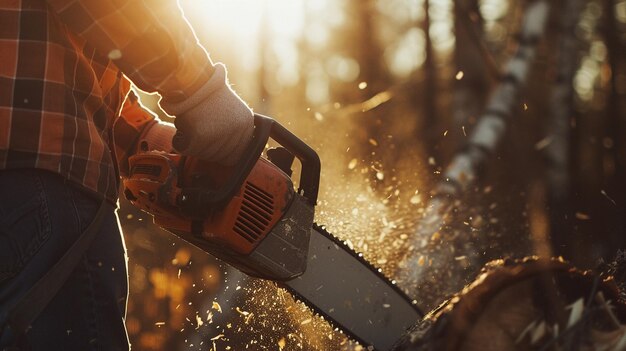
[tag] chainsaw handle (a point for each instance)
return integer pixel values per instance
(198, 203)
(311, 166)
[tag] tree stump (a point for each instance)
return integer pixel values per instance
(529, 304)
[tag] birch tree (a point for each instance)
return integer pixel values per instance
(463, 172)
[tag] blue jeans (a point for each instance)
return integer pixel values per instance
(41, 216)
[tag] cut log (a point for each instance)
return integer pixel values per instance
(530, 304)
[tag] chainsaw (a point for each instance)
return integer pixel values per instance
(251, 217)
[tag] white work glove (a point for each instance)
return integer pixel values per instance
(157, 137)
(213, 124)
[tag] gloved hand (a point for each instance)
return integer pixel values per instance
(157, 136)
(213, 124)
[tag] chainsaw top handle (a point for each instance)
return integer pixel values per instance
(198, 203)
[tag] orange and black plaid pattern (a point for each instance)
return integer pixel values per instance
(61, 81)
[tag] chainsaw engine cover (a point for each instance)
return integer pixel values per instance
(156, 184)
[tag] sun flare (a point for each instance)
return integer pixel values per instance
(245, 19)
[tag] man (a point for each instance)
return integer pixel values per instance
(67, 128)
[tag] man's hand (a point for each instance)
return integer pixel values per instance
(157, 137)
(213, 124)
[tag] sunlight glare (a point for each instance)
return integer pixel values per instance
(243, 18)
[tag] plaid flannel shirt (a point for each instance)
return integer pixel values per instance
(63, 69)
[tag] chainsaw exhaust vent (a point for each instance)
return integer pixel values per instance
(153, 170)
(257, 209)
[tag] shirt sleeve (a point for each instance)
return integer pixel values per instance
(149, 40)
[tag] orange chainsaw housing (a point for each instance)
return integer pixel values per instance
(156, 181)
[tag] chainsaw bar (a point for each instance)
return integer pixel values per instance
(353, 295)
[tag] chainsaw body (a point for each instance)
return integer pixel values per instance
(249, 216)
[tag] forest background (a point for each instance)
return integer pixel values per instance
(389, 93)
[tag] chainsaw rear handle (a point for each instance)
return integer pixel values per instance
(311, 167)
(199, 203)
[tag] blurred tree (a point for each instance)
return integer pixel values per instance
(360, 43)
(615, 141)
(472, 78)
(557, 127)
(430, 92)
(464, 171)
(264, 101)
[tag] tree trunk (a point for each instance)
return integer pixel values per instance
(463, 172)
(557, 127)
(263, 105)
(615, 145)
(367, 50)
(429, 98)
(472, 83)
